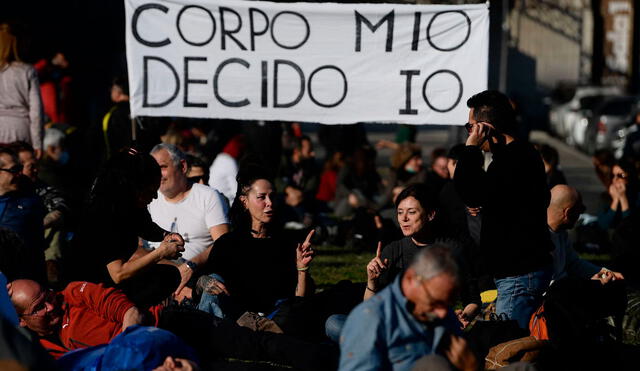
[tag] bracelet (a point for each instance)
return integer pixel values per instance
(303, 269)
(370, 289)
(191, 265)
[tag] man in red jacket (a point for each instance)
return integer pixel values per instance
(86, 314)
(83, 314)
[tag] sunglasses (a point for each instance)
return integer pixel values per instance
(469, 126)
(620, 175)
(15, 169)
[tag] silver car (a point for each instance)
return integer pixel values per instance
(566, 111)
(609, 124)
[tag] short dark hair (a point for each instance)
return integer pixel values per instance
(423, 193)
(6, 149)
(195, 161)
(495, 108)
(122, 82)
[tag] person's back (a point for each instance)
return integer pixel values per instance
(514, 230)
(20, 103)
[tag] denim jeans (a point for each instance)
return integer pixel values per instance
(215, 304)
(520, 296)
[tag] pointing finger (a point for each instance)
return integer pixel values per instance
(308, 239)
(379, 249)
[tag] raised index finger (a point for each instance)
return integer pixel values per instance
(379, 249)
(308, 239)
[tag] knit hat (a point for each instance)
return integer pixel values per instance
(404, 153)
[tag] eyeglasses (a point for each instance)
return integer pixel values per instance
(15, 169)
(620, 175)
(41, 309)
(468, 126)
(436, 304)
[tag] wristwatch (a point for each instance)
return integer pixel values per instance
(191, 265)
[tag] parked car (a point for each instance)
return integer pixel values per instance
(567, 104)
(576, 121)
(609, 124)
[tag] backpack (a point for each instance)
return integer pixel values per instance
(538, 324)
(574, 309)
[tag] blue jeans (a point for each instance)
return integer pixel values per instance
(215, 304)
(520, 296)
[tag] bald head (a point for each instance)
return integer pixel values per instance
(39, 309)
(564, 208)
(563, 196)
(22, 293)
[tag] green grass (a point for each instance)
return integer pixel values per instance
(333, 264)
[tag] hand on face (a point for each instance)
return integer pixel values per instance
(478, 133)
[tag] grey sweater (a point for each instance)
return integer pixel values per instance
(20, 105)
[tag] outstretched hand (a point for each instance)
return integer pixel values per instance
(304, 252)
(376, 266)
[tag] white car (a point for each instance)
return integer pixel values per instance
(563, 115)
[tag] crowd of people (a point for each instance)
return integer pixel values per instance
(171, 244)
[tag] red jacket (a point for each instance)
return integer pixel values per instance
(93, 315)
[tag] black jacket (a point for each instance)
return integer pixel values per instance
(514, 197)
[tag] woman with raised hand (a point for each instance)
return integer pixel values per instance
(416, 210)
(257, 264)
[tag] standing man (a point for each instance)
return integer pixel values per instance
(197, 212)
(410, 319)
(513, 196)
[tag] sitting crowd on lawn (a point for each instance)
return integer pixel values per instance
(164, 262)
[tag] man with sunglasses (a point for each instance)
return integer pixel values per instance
(409, 320)
(22, 212)
(512, 196)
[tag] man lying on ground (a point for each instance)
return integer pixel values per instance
(85, 314)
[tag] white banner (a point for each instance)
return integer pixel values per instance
(314, 62)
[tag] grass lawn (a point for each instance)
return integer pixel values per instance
(333, 264)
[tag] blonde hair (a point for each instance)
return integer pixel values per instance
(8, 46)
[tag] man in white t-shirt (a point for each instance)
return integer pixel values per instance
(195, 211)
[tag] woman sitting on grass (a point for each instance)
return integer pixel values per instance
(256, 265)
